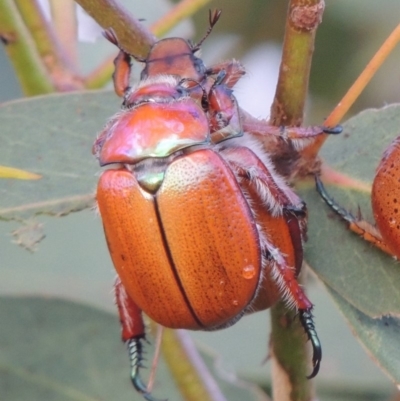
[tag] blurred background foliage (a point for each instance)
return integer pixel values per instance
(73, 262)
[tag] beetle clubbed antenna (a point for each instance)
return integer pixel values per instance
(136, 358)
(306, 320)
(213, 17)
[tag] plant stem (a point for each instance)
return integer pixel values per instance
(355, 90)
(58, 66)
(290, 356)
(22, 51)
(65, 25)
(188, 369)
(303, 18)
(362, 81)
(131, 34)
(288, 342)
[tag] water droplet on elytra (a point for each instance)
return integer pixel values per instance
(248, 271)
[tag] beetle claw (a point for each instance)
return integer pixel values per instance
(337, 129)
(306, 319)
(136, 357)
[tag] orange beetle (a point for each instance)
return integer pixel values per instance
(200, 227)
(385, 200)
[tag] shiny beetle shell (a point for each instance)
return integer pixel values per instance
(199, 268)
(386, 197)
(200, 227)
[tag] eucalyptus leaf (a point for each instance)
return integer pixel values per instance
(52, 136)
(52, 349)
(365, 277)
(379, 336)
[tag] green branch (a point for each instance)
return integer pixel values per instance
(303, 19)
(21, 49)
(187, 368)
(289, 347)
(131, 34)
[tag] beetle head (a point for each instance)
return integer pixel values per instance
(175, 56)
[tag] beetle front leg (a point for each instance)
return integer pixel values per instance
(232, 71)
(133, 334)
(122, 65)
(300, 136)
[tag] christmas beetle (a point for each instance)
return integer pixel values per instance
(200, 228)
(385, 198)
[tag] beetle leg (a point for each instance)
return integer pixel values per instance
(227, 72)
(223, 113)
(252, 163)
(294, 296)
(306, 320)
(300, 136)
(356, 224)
(122, 65)
(285, 277)
(122, 73)
(133, 334)
(285, 208)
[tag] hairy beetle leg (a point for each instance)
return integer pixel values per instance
(306, 320)
(262, 180)
(133, 333)
(356, 224)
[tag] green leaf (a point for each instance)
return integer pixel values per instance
(379, 336)
(363, 281)
(59, 350)
(52, 135)
(56, 350)
(365, 277)
(29, 235)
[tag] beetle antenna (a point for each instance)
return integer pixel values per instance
(306, 320)
(213, 17)
(111, 36)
